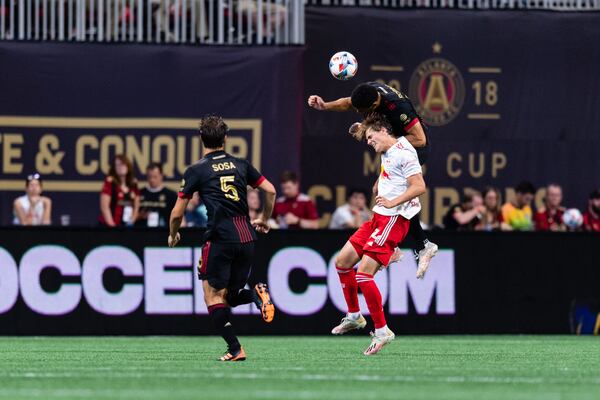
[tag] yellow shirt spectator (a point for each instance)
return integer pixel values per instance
(520, 219)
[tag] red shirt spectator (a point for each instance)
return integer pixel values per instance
(120, 196)
(591, 218)
(550, 217)
(294, 210)
(546, 220)
(591, 222)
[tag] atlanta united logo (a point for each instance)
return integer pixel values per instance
(438, 91)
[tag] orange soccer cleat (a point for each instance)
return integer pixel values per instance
(263, 302)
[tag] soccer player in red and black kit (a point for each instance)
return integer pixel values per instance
(226, 261)
(375, 97)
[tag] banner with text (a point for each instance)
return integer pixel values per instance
(82, 281)
(67, 109)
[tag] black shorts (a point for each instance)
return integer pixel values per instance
(226, 265)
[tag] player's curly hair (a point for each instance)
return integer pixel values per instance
(212, 130)
(377, 122)
(363, 96)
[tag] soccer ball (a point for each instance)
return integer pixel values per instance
(343, 65)
(572, 218)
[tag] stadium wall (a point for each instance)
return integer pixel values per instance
(78, 281)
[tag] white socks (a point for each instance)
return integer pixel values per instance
(381, 331)
(353, 315)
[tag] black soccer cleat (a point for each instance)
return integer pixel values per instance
(239, 355)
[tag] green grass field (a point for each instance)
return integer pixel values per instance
(424, 367)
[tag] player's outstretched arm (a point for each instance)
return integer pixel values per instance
(342, 104)
(416, 187)
(261, 224)
(175, 222)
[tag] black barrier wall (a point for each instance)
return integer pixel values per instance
(78, 281)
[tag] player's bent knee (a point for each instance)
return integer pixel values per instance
(369, 265)
(347, 258)
(214, 296)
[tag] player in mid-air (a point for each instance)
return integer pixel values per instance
(374, 97)
(373, 244)
(228, 249)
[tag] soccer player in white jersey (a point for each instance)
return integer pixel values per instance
(400, 183)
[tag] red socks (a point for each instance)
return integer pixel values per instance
(373, 298)
(350, 288)
(351, 280)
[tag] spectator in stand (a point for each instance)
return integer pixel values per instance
(550, 217)
(156, 201)
(120, 196)
(196, 214)
(591, 218)
(253, 199)
(467, 214)
(491, 218)
(294, 210)
(275, 15)
(352, 214)
(517, 212)
(32, 208)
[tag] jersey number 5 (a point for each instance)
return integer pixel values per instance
(229, 190)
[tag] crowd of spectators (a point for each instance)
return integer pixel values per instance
(122, 203)
(482, 211)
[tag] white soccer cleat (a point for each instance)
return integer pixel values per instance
(348, 325)
(425, 257)
(377, 342)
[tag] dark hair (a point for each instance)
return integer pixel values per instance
(155, 165)
(33, 177)
(288, 176)
(525, 187)
(356, 190)
(595, 194)
(212, 131)
(129, 179)
(363, 96)
(377, 122)
(468, 196)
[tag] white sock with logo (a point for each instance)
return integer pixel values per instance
(381, 331)
(353, 315)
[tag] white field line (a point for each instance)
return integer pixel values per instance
(302, 377)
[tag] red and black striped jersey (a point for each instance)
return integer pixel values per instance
(221, 181)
